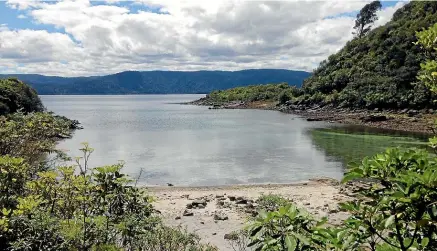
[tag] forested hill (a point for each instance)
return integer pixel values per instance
(160, 82)
(378, 70)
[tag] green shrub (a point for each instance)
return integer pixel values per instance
(397, 212)
(284, 97)
(92, 209)
(272, 202)
(268, 92)
(32, 135)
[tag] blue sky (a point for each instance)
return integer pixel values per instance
(88, 38)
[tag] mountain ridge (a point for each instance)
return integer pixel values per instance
(159, 81)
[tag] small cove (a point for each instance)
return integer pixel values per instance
(192, 146)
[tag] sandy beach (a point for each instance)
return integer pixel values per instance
(221, 210)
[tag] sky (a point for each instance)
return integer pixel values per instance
(83, 38)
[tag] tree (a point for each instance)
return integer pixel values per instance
(366, 18)
(18, 96)
(428, 40)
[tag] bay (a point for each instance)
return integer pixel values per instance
(193, 146)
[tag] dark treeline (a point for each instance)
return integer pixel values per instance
(160, 82)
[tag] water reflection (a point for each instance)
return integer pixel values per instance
(352, 143)
(190, 145)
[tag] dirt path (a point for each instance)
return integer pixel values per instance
(320, 197)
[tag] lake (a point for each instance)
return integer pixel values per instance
(193, 146)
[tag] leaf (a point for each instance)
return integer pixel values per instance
(322, 222)
(272, 241)
(424, 242)
(301, 238)
(389, 221)
(398, 194)
(423, 222)
(291, 243)
(255, 231)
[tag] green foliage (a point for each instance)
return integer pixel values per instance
(94, 209)
(402, 211)
(288, 228)
(428, 40)
(397, 212)
(284, 97)
(379, 69)
(32, 135)
(269, 92)
(366, 17)
(17, 96)
(272, 202)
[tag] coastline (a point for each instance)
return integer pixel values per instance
(405, 120)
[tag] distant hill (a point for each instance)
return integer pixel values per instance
(159, 82)
(378, 70)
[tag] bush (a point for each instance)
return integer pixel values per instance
(92, 209)
(289, 228)
(268, 92)
(284, 97)
(397, 212)
(272, 202)
(32, 135)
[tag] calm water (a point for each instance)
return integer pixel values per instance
(191, 145)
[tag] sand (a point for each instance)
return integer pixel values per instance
(320, 197)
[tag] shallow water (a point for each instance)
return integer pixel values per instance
(191, 145)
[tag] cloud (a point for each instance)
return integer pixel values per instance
(177, 35)
(3, 27)
(23, 5)
(386, 14)
(29, 46)
(21, 16)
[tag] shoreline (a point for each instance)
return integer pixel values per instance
(411, 121)
(312, 181)
(222, 214)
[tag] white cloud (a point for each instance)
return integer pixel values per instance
(23, 4)
(21, 16)
(3, 27)
(184, 35)
(29, 46)
(386, 14)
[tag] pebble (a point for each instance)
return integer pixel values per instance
(220, 217)
(199, 202)
(188, 213)
(230, 237)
